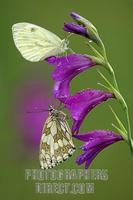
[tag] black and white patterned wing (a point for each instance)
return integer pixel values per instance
(56, 143)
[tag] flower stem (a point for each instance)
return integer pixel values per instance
(125, 107)
(113, 77)
(121, 99)
(129, 131)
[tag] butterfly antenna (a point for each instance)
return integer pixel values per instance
(37, 111)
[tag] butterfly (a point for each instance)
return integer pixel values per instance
(56, 143)
(36, 43)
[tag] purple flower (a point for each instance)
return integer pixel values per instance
(75, 28)
(82, 21)
(96, 141)
(75, 16)
(67, 67)
(82, 103)
(83, 27)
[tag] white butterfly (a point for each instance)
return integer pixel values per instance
(36, 43)
(56, 143)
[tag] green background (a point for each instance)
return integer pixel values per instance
(114, 22)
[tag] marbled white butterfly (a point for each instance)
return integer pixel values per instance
(56, 143)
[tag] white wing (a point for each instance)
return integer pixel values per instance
(35, 43)
(56, 143)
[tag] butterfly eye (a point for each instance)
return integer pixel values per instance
(50, 108)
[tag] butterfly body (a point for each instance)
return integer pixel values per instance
(36, 43)
(56, 142)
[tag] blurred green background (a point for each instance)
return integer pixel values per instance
(20, 78)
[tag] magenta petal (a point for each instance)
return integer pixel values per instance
(88, 157)
(81, 158)
(82, 103)
(96, 141)
(91, 158)
(97, 137)
(67, 67)
(61, 89)
(94, 153)
(96, 134)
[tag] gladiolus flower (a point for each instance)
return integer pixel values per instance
(96, 141)
(67, 67)
(82, 103)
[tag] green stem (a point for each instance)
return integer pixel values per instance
(111, 71)
(125, 108)
(122, 101)
(129, 131)
(120, 98)
(109, 67)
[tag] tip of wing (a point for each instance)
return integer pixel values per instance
(19, 25)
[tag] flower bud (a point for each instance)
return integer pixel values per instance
(81, 20)
(88, 26)
(75, 28)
